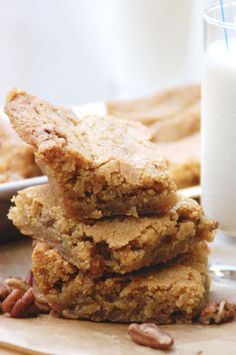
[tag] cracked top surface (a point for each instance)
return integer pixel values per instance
(174, 292)
(98, 139)
(98, 166)
(118, 244)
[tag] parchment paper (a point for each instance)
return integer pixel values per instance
(48, 335)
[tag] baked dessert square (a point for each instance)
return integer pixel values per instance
(176, 292)
(183, 158)
(119, 244)
(99, 166)
(173, 119)
(170, 115)
(17, 159)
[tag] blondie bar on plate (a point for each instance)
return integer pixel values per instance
(119, 244)
(99, 166)
(183, 159)
(173, 119)
(170, 115)
(176, 292)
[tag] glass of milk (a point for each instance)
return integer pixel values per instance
(218, 177)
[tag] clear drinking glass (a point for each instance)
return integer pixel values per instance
(218, 177)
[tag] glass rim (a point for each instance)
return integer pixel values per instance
(219, 22)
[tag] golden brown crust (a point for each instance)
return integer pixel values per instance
(120, 244)
(176, 293)
(98, 165)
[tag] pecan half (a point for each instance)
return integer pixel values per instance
(149, 334)
(20, 304)
(218, 313)
(16, 282)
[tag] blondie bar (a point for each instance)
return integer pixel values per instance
(16, 158)
(100, 166)
(119, 244)
(184, 159)
(176, 292)
(170, 115)
(173, 119)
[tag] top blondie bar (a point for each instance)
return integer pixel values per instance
(99, 166)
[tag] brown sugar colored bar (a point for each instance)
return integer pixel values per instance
(119, 244)
(98, 166)
(175, 293)
(17, 159)
(170, 115)
(173, 119)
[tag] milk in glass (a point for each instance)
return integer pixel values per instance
(218, 178)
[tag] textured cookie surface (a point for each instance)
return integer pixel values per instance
(98, 165)
(119, 244)
(175, 293)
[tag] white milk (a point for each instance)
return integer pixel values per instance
(219, 135)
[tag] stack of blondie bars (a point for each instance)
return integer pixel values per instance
(112, 239)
